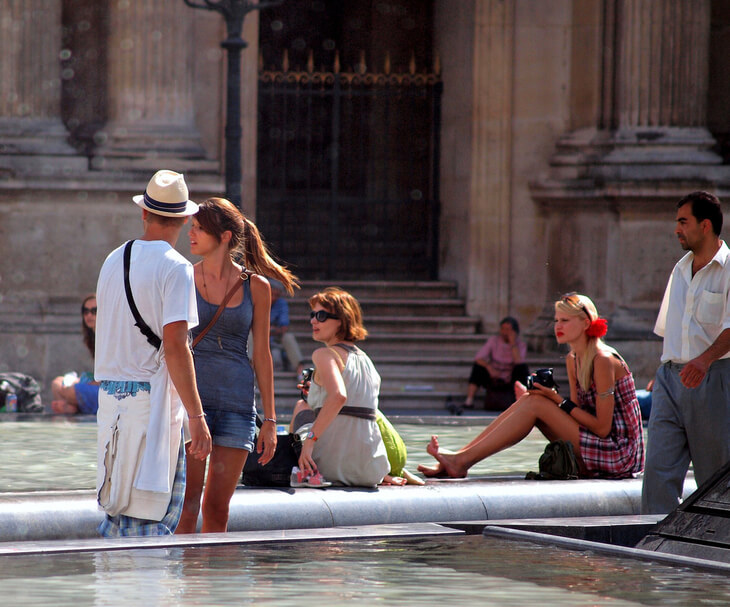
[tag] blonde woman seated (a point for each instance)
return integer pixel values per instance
(343, 443)
(601, 417)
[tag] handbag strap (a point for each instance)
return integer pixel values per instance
(219, 311)
(139, 321)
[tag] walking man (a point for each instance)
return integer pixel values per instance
(690, 413)
(147, 382)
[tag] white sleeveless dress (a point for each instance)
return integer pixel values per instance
(351, 450)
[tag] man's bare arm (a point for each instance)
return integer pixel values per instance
(695, 370)
(182, 373)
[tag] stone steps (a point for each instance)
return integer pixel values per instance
(389, 306)
(363, 289)
(420, 338)
(436, 324)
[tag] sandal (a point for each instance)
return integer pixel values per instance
(301, 479)
(298, 478)
(316, 481)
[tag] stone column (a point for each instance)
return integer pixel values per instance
(33, 139)
(659, 81)
(475, 41)
(491, 160)
(662, 63)
(151, 114)
(609, 193)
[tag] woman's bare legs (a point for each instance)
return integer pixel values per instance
(508, 429)
(519, 389)
(300, 406)
(438, 470)
(224, 472)
(194, 477)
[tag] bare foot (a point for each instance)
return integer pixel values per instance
(393, 480)
(446, 458)
(519, 389)
(436, 471)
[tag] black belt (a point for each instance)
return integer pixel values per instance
(361, 412)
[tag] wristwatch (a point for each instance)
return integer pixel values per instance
(310, 435)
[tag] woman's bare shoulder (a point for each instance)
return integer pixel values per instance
(609, 360)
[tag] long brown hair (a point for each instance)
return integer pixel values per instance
(88, 333)
(216, 215)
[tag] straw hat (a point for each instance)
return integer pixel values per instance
(167, 195)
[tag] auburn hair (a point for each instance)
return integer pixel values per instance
(343, 305)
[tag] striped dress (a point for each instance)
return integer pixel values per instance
(621, 453)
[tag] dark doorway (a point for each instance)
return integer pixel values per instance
(348, 144)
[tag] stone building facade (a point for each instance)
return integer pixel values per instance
(569, 130)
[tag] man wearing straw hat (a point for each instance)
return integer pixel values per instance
(146, 305)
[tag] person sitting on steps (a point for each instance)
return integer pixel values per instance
(499, 363)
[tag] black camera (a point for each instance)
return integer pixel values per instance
(307, 374)
(544, 377)
(306, 377)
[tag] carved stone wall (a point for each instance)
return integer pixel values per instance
(570, 128)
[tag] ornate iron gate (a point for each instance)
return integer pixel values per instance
(348, 166)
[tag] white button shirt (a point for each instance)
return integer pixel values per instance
(695, 310)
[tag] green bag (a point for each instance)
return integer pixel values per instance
(394, 445)
(557, 463)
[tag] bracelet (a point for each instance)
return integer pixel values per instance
(607, 393)
(269, 419)
(567, 405)
(196, 416)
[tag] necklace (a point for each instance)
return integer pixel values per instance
(205, 284)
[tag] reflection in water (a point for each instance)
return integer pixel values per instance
(455, 570)
(62, 455)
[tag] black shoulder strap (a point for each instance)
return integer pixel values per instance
(139, 322)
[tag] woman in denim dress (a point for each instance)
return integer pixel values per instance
(225, 375)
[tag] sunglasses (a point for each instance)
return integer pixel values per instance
(573, 299)
(85, 310)
(321, 315)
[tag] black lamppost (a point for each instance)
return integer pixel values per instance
(234, 12)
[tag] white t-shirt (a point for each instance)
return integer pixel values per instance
(695, 309)
(164, 290)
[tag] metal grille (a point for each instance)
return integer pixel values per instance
(348, 171)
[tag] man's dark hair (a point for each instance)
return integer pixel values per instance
(704, 206)
(512, 321)
(164, 220)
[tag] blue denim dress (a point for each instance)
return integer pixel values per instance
(223, 370)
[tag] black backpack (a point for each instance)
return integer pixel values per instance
(26, 388)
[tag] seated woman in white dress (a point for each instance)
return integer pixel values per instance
(343, 443)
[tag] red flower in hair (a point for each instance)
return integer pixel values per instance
(597, 328)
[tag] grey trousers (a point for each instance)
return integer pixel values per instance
(685, 425)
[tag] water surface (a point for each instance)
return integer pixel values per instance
(60, 454)
(415, 571)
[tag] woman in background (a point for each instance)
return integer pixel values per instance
(73, 393)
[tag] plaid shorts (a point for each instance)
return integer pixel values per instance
(128, 526)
